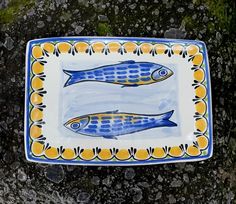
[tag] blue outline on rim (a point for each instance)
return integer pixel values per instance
(113, 163)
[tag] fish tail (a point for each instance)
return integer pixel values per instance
(164, 119)
(74, 77)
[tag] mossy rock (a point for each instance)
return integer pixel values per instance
(103, 29)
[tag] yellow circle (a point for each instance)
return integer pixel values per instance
(114, 46)
(197, 59)
(37, 148)
(36, 114)
(176, 151)
(200, 107)
(36, 99)
(37, 68)
(192, 49)
(200, 91)
(87, 154)
(159, 152)
(199, 75)
(177, 49)
(37, 83)
(98, 47)
(123, 154)
(49, 47)
(51, 153)
(63, 47)
(193, 151)
(201, 124)
(35, 131)
(146, 48)
(105, 154)
(142, 154)
(68, 154)
(81, 47)
(37, 52)
(160, 48)
(202, 142)
(130, 46)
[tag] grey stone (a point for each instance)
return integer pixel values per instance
(4, 4)
(205, 19)
(172, 199)
(107, 181)
(176, 183)
(40, 24)
(21, 175)
(174, 33)
(8, 43)
(186, 178)
(160, 178)
(138, 195)
(129, 173)
(132, 6)
(95, 180)
(83, 197)
(156, 12)
(172, 20)
(218, 36)
(54, 173)
(70, 168)
(180, 10)
(79, 29)
(189, 168)
(144, 184)
(103, 18)
(158, 196)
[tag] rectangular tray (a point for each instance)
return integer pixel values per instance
(117, 101)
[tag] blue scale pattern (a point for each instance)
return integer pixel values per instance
(109, 69)
(105, 121)
(133, 71)
(133, 76)
(105, 130)
(133, 66)
(145, 79)
(145, 74)
(123, 72)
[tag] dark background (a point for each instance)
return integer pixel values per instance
(211, 181)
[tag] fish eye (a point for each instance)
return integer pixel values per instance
(75, 125)
(163, 72)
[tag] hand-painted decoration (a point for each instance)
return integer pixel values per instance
(115, 123)
(127, 73)
(61, 126)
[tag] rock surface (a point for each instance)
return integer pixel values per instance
(210, 181)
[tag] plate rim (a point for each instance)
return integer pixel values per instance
(115, 163)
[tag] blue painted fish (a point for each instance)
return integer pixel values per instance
(127, 73)
(112, 124)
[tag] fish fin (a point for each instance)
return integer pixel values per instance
(128, 62)
(74, 77)
(115, 111)
(132, 85)
(164, 119)
(167, 115)
(110, 137)
(169, 123)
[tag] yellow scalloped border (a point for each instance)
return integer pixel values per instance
(40, 149)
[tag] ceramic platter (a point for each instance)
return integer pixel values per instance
(117, 101)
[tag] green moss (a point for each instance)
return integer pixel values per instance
(103, 29)
(188, 21)
(221, 10)
(9, 14)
